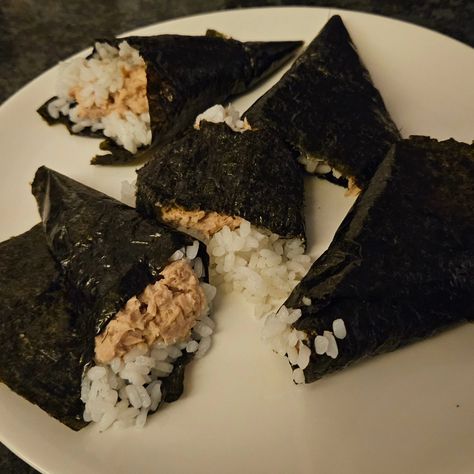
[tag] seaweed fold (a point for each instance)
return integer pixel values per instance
(328, 108)
(186, 75)
(401, 264)
(252, 175)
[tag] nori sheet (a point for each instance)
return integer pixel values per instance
(40, 335)
(185, 76)
(63, 281)
(401, 264)
(253, 175)
(327, 107)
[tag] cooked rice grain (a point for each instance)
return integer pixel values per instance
(264, 267)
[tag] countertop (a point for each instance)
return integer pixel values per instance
(36, 35)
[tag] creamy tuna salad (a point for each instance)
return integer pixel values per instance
(200, 224)
(165, 311)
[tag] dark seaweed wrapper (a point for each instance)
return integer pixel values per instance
(186, 75)
(328, 108)
(253, 175)
(40, 333)
(107, 252)
(401, 264)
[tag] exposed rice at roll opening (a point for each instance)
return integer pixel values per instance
(106, 92)
(123, 391)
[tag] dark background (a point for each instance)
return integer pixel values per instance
(36, 34)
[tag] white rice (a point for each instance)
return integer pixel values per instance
(261, 266)
(98, 78)
(317, 166)
(123, 392)
(218, 114)
(321, 345)
(339, 328)
(332, 350)
(284, 339)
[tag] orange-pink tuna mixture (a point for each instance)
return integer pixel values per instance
(166, 310)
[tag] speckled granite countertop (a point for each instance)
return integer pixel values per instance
(36, 35)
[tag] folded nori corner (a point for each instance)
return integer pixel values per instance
(401, 264)
(253, 175)
(328, 108)
(185, 76)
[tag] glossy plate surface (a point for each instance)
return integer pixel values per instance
(405, 412)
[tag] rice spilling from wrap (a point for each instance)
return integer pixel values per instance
(286, 340)
(106, 92)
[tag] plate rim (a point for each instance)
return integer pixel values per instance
(330, 11)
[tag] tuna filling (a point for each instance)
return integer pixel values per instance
(166, 310)
(203, 224)
(130, 97)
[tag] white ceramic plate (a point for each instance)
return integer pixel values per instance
(411, 411)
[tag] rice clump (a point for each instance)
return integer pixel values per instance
(106, 92)
(262, 266)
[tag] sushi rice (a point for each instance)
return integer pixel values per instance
(321, 168)
(220, 114)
